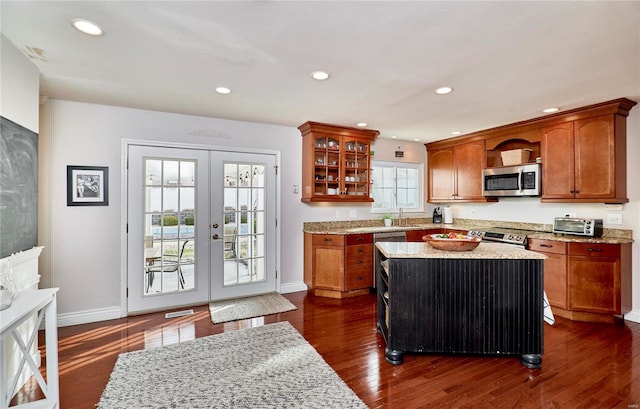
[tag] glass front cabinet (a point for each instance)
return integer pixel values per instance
(335, 163)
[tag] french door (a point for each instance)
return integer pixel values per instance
(243, 217)
(201, 226)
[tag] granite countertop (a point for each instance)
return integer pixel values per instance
(536, 231)
(485, 250)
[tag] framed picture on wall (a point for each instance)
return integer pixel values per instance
(87, 186)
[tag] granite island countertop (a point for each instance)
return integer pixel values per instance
(485, 250)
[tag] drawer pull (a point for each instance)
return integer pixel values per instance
(360, 261)
(546, 245)
(360, 251)
(595, 250)
(360, 239)
(327, 239)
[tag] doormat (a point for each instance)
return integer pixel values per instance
(271, 366)
(249, 307)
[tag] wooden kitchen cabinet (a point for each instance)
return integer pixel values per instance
(555, 270)
(585, 160)
(416, 235)
(338, 266)
(586, 281)
(336, 165)
(455, 173)
(594, 278)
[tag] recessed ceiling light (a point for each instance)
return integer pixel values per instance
(417, 140)
(320, 75)
(550, 110)
(362, 124)
(223, 90)
(393, 136)
(456, 133)
(444, 90)
(86, 26)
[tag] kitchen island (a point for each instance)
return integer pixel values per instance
(487, 301)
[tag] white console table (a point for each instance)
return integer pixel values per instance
(26, 304)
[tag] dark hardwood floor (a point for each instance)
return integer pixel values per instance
(584, 365)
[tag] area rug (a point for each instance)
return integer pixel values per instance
(249, 307)
(271, 366)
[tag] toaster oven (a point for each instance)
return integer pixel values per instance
(576, 226)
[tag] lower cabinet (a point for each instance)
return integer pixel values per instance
(586, 281)
(416, 235)
(338, 266)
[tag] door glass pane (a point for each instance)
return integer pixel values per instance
(245, 225)
(169, 226)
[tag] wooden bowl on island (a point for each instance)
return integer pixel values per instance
(453, 242)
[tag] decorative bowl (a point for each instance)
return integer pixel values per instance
(465, 243)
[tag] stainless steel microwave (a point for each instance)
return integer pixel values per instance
(520, 180)
(579, 227)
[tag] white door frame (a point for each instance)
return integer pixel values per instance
(124, 177)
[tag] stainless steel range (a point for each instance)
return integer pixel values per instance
(502, 235)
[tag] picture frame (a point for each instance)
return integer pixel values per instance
(87, 186)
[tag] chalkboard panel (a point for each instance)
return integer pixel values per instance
(18, 188)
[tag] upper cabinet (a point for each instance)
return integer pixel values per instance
(582, 151)
(585, 160)
(455, 173)
(336, 164)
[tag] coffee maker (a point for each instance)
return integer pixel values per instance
(437, 215)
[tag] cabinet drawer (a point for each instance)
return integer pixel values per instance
(328, 239)
(358, 278)
(547, 246)
(359, 259)
(594, 250)
(354, 239)
(356, 252)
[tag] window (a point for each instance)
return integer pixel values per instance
(396, 185)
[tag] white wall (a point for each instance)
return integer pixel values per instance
(20, 85)
(85, 241)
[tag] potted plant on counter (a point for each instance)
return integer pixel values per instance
(388, 219)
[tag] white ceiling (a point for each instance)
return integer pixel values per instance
(505, 60)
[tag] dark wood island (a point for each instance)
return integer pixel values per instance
(485, 301)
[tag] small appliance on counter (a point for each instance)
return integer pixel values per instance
(578, 227)
(437, 215)
(448, 215)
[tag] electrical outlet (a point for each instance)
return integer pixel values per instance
(614, 218)
(338, 214)
(296, 189)
(473, 212)
(353, 213)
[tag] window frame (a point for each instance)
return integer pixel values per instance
(419, 167)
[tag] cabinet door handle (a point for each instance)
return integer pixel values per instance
(595, 250)
(360, 261)
(546, 245)
(360, 251)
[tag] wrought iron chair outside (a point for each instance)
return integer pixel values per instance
(168, 264)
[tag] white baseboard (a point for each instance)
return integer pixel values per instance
(633, 316)
(292, 287)
(85, 317)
